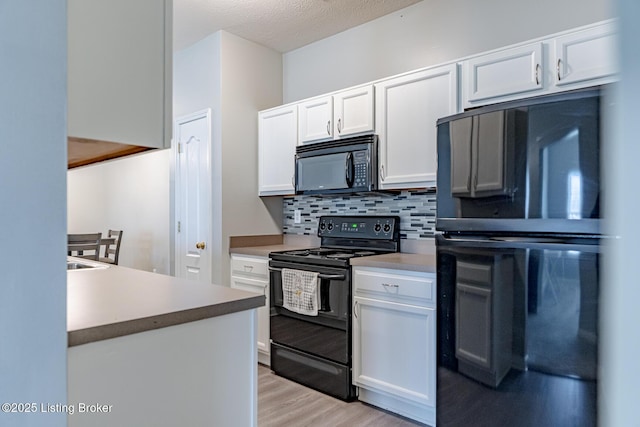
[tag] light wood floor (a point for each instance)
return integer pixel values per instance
(283, 403)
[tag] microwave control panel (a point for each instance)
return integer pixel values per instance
(361, 166)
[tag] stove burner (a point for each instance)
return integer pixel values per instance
(303, 252)
(321, 251)
(340, 255)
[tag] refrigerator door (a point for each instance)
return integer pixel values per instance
(527, 167)
(517, 328)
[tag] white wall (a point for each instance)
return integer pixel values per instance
(620, 339)
(427, 33)
(129, 194)
(33, 294)
(235, 78)
(251, 81)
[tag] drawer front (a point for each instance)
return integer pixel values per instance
(249, 266)
(405, 285)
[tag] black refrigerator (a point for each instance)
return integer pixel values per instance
(518, 253)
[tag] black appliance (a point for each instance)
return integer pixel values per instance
(518, 208)
(316, 350)
(348, 165)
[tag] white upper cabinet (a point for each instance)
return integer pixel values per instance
(278, 136)
(509, 72)
(407, 108)
(571, 60)
(353, 111)
(315, 120)
(335, 116)
(585, 55)
(119, 71)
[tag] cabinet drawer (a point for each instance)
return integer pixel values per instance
(249, 266)
(405, 285)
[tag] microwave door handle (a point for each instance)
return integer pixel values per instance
(349, 170)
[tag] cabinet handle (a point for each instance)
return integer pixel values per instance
(329, 127)
(537, 74)
(355, 309)
(381, 172)
(339, 125)
(248, 268)
(558, 68)
(390, 285)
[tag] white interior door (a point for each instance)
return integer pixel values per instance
(193, 196)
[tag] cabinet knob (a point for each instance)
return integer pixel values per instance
(200, 245)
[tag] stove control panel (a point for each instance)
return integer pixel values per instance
(359, 227)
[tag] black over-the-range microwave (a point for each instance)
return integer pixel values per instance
(347, 165)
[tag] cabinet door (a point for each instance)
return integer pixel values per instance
(394, 349)
(407, 109)
(502, 74)
(315, 119)
(353, 111)
(119, 71)
(585, 56)
(278, 136)
(260, 287)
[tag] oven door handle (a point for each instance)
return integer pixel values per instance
(320, 276)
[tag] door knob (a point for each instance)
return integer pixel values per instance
(200, 245)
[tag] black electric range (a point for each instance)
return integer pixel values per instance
(315, 350)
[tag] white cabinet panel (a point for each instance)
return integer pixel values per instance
(585, 55)
(407, 108)
(250, 273)
(393, 351)
(315, 121)
(277, 140)
(571, 60)
(385, 285)
(120, 71)
(394, 340)
(259, 287)
(336, 116)
(353, 111)
(509, 72)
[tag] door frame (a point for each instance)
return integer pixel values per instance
(176, 187)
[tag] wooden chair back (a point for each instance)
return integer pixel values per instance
(112, 251)
(79, 244)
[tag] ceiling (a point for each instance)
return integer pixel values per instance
(282, 25)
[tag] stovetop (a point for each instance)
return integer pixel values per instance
(346, 237)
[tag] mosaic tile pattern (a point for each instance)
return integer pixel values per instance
(416, 209)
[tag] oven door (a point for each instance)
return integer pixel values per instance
(327, 335)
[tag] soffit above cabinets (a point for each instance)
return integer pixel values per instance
(282, 25)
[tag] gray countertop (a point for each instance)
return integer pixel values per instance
(398, 261)
(117, 301)
(263, 251)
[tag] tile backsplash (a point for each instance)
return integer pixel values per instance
(416, 209)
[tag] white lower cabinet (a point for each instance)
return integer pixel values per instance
(251, 274)
(394, 341)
